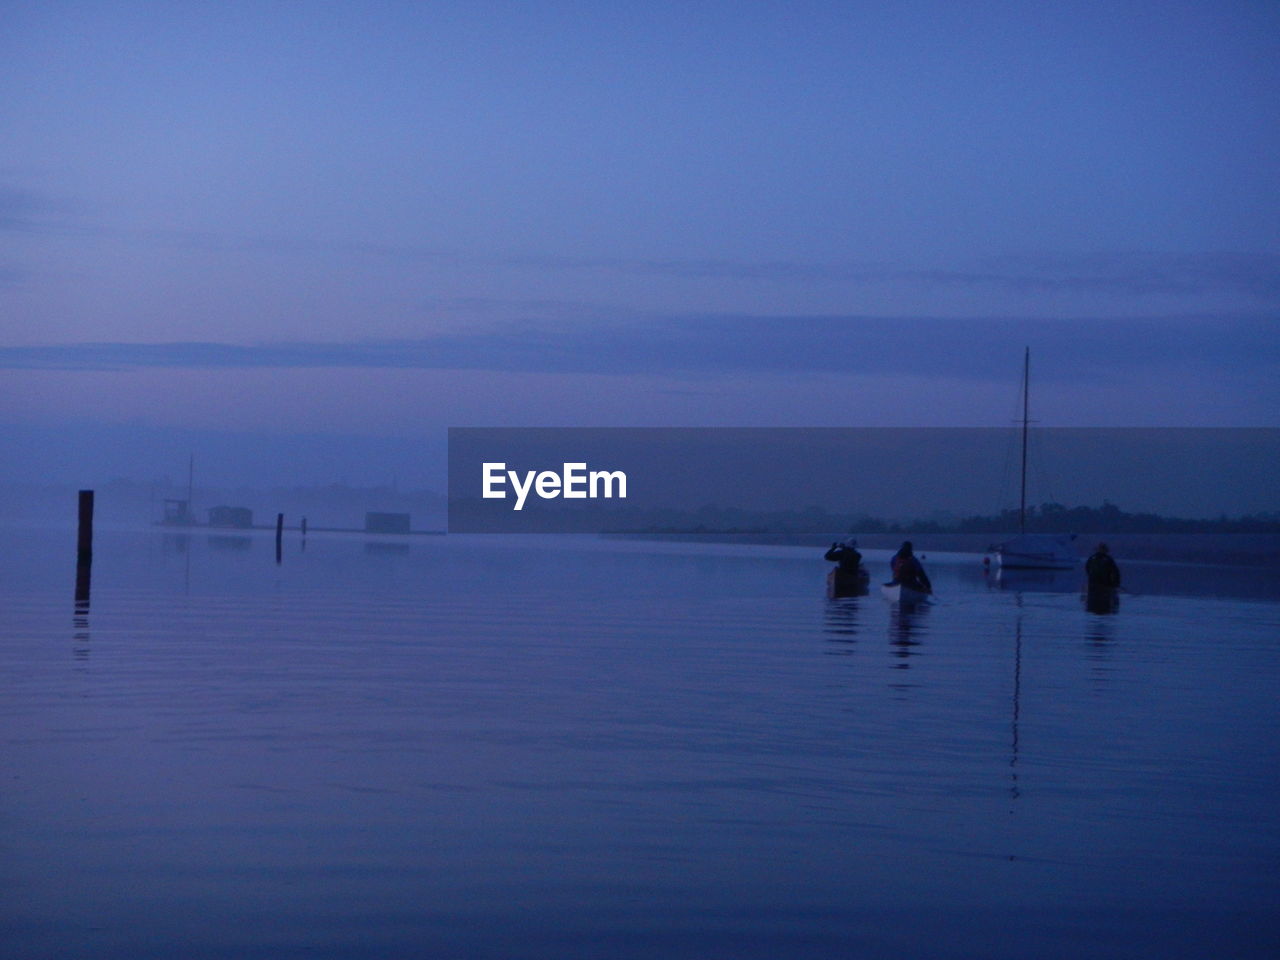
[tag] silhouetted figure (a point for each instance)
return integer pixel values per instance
(908, 571)
(1103, 581)
(847, 578)
(845, 554)
(1102, 570)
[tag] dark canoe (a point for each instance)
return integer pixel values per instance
(847, 583)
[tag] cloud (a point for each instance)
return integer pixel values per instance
(19, 209)
(978, 349)
(1126, 274)
(1113, 274)
(1132, 274)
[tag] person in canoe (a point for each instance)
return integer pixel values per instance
(848, 578)
(846, 555)
(908, 571)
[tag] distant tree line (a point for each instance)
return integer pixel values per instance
(1056, 518)
(1045, 518)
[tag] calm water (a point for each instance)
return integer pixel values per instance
(558, 748)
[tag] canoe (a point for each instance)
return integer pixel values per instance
(897, 593)
(847, 583)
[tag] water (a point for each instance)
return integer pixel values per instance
(560, 748)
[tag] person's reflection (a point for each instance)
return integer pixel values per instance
(841, 626)
(905, 632)
(1101, 630)
(905, 625)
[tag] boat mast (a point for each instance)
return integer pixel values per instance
(1026, 385)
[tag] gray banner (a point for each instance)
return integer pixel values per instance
(553, 479)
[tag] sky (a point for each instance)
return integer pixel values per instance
(301, 240)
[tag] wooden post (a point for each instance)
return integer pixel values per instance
(84, 580)
(84, 564)
(84, 546)
(279, 536)
(304, 526)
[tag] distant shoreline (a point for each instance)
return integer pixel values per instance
(288, 528)
(1222, 549)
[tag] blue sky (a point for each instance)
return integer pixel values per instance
(286, 220)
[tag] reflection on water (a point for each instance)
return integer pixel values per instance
(229, 541)
(1014, 791)
(80, 620)
(584, 749)
(386, 547)
(906, 627)
(1141, 578)
(1102, 600)
(1039, 581)
(906, 633)
(841, 620)
(1101, 630)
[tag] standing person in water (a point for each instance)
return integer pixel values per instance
(908, 571)
(1103, 582)
(1103, 572)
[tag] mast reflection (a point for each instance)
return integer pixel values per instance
(1014, 790)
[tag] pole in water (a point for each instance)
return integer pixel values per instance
(84, 582)
(279, 536)
(84, 546)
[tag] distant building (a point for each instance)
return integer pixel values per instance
(241, 517)
(178, 513)
(386, 522)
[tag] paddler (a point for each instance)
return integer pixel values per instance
(908, 571)
(845, 554)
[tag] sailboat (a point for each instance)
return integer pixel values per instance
(1033, 551)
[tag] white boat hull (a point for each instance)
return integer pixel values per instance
(1037, 552)
(897, 593)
